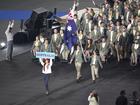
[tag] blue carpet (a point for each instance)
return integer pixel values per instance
(20, 14)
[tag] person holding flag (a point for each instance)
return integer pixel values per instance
(74, 7)
(70, 37)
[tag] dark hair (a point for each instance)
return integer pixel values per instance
(96, 51)
(87, 8)
(75, 46)
(80, 30)
(76, 15)
(122, 92)
(10, 29)
(96, 96)
(44, 60)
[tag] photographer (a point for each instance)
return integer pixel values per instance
(93, 98)
(9, 36)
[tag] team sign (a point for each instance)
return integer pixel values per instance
(48, 55)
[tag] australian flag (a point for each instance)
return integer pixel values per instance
(70, 38)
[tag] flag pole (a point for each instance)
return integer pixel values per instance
(82, 49)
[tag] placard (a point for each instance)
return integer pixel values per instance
(48, 55)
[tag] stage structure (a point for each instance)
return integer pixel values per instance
(41, 21)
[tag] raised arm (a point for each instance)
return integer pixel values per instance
(7, 30)
(51, 62)
(41, 61)
(10, 25)
(90, 97)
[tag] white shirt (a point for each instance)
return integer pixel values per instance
(127, 16)
(77, 52)
(62, 35)
(139, 12)
(110, 17)
(87, 21)
(129, 26)
(103, 44)
(92, 100)
(99, 22)
(80, 36)
(101, 30)
(118, 27)
(138, 28)
(111, 37)
(134, 32)
(117, 15)
(46, 69)
(136, 46)
(90, 27)
(118, 38)
(94, 60)
(132, 21)
(55, 37)
(42, 40)
(8, 34)
(75, 20)
(95, 31)
(124, 34)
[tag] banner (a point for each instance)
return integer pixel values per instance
(48, 55)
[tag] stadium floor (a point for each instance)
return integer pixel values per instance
(22, 83)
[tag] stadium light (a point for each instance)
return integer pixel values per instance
(2, 45)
